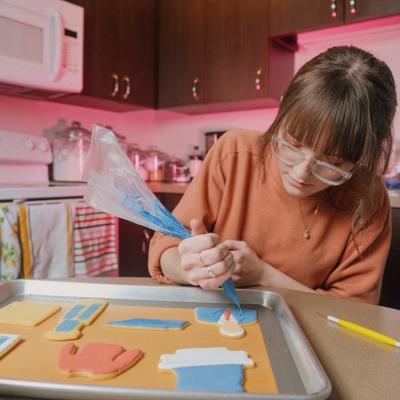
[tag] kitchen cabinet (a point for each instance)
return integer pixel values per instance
(134, 241)
(390, 293)
(119, 55)
(294, 16)
(358, 10)
(215, 55)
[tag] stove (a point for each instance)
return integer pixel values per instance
(24, 169)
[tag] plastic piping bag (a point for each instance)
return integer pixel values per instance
(115, 187)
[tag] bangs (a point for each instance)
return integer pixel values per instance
(331, 122)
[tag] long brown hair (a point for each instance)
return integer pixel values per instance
(343, 102)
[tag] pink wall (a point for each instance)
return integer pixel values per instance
(175, 133)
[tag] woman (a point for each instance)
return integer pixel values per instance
(302, 206)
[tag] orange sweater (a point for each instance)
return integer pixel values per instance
(232, 201)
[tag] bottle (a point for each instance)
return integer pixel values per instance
(195, 161)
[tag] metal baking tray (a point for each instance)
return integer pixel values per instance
(297, 371)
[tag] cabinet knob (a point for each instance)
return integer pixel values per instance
(258, 80)
(127, 82)
(195, 89)
(333, 8)
(116, 85)
(353, 6)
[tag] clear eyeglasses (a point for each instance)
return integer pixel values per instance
(291, 156)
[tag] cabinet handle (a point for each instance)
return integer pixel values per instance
(333, 9)
(116, 85)
(353, 7)
(257, 81)
(195, 89)
(127, 87)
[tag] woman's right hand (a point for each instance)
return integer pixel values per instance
(205, 261)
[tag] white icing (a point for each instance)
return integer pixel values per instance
(7, 340)
(231, 329)
(203, 356)
(222, 319)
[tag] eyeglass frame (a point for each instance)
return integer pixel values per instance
(314, 161)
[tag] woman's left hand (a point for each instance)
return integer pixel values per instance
(250, 269)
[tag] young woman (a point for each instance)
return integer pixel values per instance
(302, 206)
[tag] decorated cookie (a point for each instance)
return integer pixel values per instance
(96, 360)
(216, 315)
(228, 326)
(150, 323)
(213, 369)
(8, 342)
(27, 313)
(82, 314)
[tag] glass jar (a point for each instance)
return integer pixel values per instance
(70, 150)
(154, 164)
(137, 157)
(182, 173)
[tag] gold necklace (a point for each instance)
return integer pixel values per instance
(306, 233)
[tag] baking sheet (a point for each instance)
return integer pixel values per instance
(297, 373)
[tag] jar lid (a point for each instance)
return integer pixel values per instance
(75, 131)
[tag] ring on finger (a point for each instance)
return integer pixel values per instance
(211, 272)
(202, 263)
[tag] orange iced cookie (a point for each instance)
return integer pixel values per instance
(96, 360)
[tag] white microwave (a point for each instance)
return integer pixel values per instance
(41, 48)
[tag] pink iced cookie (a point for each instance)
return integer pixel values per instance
(96, 360)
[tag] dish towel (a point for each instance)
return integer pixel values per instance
(95, 241)
(10, 249)
(46, 239)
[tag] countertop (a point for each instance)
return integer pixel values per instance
(358, 367)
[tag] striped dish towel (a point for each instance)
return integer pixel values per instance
(95, 241)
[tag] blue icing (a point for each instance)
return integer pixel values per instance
(213, 314)
(211, 378)
(89, 311)
(230, 290)
(150, 323)
(74, 311)
(68, 325)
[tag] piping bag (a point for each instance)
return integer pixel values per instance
(116, 188)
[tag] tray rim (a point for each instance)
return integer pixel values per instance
(266, 298)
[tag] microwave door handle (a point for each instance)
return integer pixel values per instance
(58, 45)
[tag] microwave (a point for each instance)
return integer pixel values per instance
(41, 48)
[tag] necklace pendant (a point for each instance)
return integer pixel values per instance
(306, 235)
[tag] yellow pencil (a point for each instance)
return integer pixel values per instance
(364, 331)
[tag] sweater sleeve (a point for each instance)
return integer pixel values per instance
(360, 278)
(201, 200)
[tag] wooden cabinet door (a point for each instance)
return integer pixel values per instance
(100, 47)
(180, 52)
(133, 249)
(134, 241)
(390, 294)
(294, 16)
(119, 54)
(357, 10)
(235, 50)
(137, 51)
